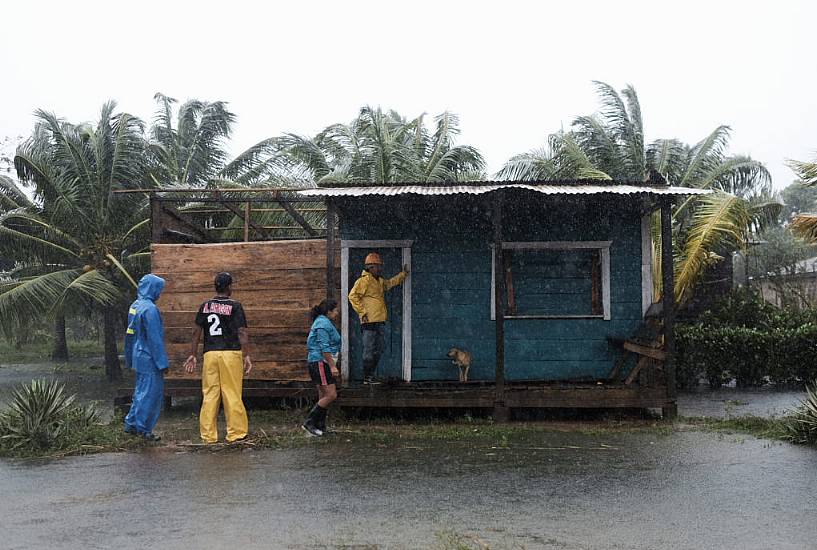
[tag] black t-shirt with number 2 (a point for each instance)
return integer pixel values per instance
(220, 319)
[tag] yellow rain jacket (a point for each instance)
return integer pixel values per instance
(367, 296)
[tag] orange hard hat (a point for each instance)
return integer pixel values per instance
(373, 258)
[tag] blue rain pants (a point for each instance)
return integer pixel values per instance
(147, 401)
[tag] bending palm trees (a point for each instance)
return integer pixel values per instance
(610, 145)
(188, 149)
(378, 148)
(77, 245)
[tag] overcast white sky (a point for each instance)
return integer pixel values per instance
(513, 71)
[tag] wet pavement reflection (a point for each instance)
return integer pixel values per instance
(538, 490)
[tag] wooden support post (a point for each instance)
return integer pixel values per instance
(247, 221)
(156, 219)
(668, 284)
(330, 249)
(501, 412)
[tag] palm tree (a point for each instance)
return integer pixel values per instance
(610, 145)
(78, 244)
(193, 152)
(805, 225)
(188, 149)
(377, 147)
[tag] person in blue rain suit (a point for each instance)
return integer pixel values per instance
(145, 353)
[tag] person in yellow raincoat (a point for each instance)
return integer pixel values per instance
(226, 359)
(368, 300)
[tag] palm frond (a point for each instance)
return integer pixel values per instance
(600, 145)
(668, 157)
(634, 136)
(719, 219)
(705, 155)
(252, 161)
(96, 287)
(738, 175)
(532, 166)
(765, 212)
(806, 171)
(33, 298)
(453, 161)
(194, 151)
(28, 234)
(11, 196)
(33, 162)
(572, 160)
(805, 227)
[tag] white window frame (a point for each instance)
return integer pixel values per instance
(646, 263)
(405, 246)
(602, 246)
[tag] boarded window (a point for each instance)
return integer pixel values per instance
(556, 279)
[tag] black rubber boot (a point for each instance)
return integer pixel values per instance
(321, 420)
(368, 369)
(311, 422)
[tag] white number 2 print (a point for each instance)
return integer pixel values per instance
(215, 324)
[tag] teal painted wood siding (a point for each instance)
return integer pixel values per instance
(451, 280)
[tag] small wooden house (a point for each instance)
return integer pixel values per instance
(545, 284)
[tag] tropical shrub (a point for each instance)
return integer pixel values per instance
(42, 416)
(801, 426)
(750, 341)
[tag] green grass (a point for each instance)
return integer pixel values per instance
(280, 429)
(41, 351)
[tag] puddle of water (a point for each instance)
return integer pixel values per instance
(560, 490)
(725, 402)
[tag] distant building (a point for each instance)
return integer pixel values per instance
(798, 288)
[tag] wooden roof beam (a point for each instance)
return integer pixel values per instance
(297, 216)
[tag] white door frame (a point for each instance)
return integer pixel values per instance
(345, 245)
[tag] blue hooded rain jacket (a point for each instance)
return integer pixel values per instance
(145, 353)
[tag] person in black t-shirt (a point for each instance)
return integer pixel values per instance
(222, 322)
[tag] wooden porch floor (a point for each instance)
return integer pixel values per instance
(451, 394)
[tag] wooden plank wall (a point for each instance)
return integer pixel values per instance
(451, 282)
(276, 281)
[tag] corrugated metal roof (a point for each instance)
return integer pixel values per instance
(477, 189)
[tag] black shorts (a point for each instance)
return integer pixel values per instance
(321, 374)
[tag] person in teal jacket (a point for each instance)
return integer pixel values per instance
(145, 353)
(323, 348)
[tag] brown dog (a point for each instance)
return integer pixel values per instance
(463, 361)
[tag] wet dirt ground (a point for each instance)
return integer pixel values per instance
(537, 488)
(550, 490)
(85, 378)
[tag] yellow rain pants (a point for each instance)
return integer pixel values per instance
(221, 380)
